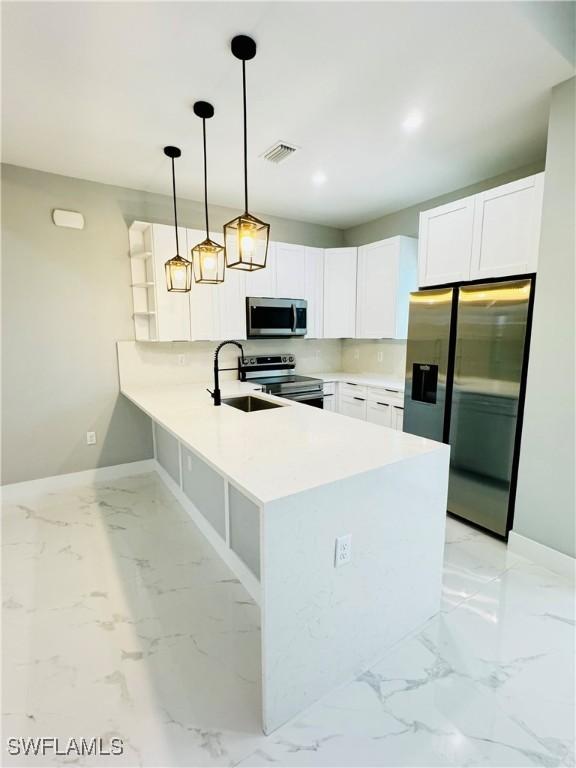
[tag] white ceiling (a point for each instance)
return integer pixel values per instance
(95, 90)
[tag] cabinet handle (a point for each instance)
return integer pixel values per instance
(329, 394)
(391, 390)
(398, 407)
(385, 404)
(358, 398)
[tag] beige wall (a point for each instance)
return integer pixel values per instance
(405, 222)
(545, 509)
(66, 301)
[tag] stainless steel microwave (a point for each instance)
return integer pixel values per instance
(275, 317)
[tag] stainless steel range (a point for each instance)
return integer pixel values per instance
(275, 374)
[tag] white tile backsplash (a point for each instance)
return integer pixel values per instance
(164, 362)
(386, 356)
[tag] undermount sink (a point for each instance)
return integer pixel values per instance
(249, 403)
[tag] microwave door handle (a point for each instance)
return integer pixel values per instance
(294, 318)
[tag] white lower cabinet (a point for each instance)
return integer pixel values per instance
(397, 417)
(330, 397)
(374, 404)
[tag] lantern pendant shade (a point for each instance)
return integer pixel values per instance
(246, 239)
(178, 275)
(178, 270)
(208, 260)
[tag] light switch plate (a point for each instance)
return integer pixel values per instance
(90, 438)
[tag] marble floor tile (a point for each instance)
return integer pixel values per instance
(120, 620)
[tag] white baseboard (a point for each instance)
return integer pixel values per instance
(238, 568)
(13, 492)
(542, 555)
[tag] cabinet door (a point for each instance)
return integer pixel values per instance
(445, 243)
(507, 229)
(172, 309)
(379, 413)
(290, 271)
(330, 401)
(314, 295)
(377, 288)
(204, 301)
(397, 417)
(262, 282)
(232, 305)
(353, 406)
(340, 293)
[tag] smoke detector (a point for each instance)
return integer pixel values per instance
(279, 152)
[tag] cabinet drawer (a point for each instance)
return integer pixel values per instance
(347, 389)
(379, 412)
(353, 406)
(392, 396)
(329, 387)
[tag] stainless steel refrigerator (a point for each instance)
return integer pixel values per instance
(467, 358)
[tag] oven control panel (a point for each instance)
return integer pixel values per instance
(251, 364)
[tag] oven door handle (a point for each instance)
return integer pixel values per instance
(294, 318)
(304, 395)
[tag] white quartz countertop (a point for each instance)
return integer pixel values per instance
(368, 379)
(277, 452)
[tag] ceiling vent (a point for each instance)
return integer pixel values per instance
(279, 152)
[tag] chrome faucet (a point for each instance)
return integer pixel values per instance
(216, 395)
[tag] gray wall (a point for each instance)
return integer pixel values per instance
(405, 222)
(545, 507)
(66, 301)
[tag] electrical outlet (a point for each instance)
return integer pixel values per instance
(356, 354)
(90, 438)
(181, 359)
(189, 463)
(343, 550)
(380, 356)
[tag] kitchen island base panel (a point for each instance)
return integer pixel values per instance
(322, 625)
(242, 572)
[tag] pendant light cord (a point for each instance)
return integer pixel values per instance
(205, 177)
(175, 214)
(245, 138)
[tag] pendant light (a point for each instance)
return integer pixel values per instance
(245, 237)
(207, 256)
(178, 270)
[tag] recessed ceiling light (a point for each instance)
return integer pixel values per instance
(319, 178)
(412, 121)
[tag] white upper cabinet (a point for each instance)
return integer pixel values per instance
(314, 295)
(232, 305)
(262, 282)
(217, 312)
(507, 229)
(445, 243)
(387, 272)
(172, 309)
(340, 293)
(290, 271)
(203, 299)
(493, 234)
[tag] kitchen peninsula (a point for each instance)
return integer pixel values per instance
(275, 491)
